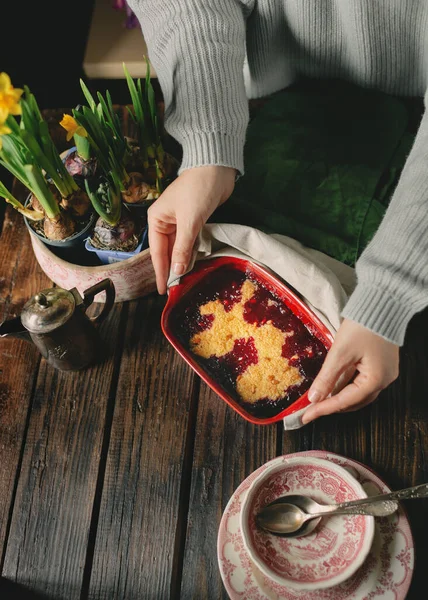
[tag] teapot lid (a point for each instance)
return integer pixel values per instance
(48, 310)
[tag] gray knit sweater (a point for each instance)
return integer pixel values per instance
(212, 55)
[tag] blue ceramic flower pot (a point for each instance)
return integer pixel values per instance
(113, 256)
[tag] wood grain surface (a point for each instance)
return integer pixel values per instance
(113, 480)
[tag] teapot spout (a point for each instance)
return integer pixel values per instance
(14, 328)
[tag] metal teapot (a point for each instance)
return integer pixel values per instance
(55, 320)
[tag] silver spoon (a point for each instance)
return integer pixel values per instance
(298, 515)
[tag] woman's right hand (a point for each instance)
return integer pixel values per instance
(178, 215)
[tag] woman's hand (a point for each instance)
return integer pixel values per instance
(178, 215)
(356, 350)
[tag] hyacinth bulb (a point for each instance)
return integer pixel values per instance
(124, 236)
(37, 205)
(59, 228)
(78, 166)
(137, 190)
(77, 204)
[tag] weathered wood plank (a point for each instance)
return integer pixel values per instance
(20, 274)
(48, 539)
(20, 278)
(227, 449)
(347, 434)
(399, 433)
(140, 506)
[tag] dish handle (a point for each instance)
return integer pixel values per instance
(173, 293)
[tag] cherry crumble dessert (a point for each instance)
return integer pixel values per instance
(249, 341)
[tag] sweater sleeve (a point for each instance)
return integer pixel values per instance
(198, 51)
(392, 272)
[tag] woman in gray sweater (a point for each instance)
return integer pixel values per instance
(210, 57)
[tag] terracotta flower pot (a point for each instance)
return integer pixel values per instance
(132, 278)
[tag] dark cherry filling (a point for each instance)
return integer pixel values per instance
(303, 349)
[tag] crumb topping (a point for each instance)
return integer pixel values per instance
(272, 375)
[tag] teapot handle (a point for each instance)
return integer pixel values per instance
(89, 294)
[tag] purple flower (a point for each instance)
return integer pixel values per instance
(131, 20)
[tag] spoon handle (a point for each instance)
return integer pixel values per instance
(418, 491)
(377, 509)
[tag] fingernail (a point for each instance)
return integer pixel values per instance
(306, 418)
(314, 396)
(178, 268)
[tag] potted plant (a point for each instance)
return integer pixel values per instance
(146, 168)
(117, 162)
(118, 232)
(131, 172)
(56, 209)
(78, 160)
(156, 166)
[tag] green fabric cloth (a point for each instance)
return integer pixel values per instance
(321, 162)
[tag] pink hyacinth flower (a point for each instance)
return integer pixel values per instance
(131, 20)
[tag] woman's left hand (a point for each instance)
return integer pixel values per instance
(356, 351)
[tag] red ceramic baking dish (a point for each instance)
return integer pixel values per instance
(271, 309)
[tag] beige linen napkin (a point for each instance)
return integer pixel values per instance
(323, 282)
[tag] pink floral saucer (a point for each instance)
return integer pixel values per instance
(386, 573)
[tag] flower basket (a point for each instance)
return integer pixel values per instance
(87, 209)
(132, 278)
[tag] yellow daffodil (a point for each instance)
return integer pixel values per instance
(4, 129)
(9, 96)
(3, 115)
(72, 127)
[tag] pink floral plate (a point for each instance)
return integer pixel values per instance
(386, 573)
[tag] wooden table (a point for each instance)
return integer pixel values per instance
(113, 480)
